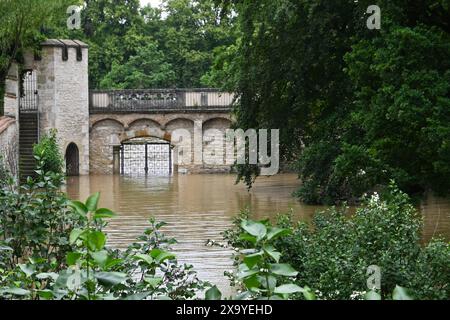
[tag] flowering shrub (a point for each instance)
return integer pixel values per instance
(334, 253)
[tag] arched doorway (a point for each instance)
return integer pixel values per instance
(72, 160)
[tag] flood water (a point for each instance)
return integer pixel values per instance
(200, 207)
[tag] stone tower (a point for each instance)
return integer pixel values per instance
(63, 86)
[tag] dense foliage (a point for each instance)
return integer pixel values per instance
(260, 274)
(134, 47)
(21, 29)
(52, 248)
(48, 153)
(356, 107)
(130, 46)
(333, 255)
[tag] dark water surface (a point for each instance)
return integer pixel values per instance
(200, 207)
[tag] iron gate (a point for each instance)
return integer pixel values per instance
(146, 159)
(28, 93)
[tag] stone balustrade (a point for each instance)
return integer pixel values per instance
(159, 101)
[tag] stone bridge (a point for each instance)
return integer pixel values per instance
(94, 127)
(119, 116)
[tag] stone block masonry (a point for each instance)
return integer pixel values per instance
(63, 87)
(9, 140)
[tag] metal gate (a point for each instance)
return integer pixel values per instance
(29, 93)
(146, 159)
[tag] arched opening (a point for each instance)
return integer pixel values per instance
(72, 160)
(146, 156)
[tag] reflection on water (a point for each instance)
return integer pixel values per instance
(200, 207)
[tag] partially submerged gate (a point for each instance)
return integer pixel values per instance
(146, 157)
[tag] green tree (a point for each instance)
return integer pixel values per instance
(22, 21)
(402, 107)
(188, 36)
(356, 107)
(148, 69)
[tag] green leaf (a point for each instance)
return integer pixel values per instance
(248, 237)
(92, 202)
(96, 240)
(253, 259)
(45, 294)
(79, 207)
(288, 289)
(252, 282)
(275, 232)
(401, 293)
(16, 291)
(103, 213)
(144, 257)
(110, 278)
(74, 235)
(372, 295)
(273, 253)
(245, 272)
(111, 263)
(283, 269)
(213, 293)
(161, 255)
(153, 281)
(309, 294)
(100, 257)
(268, 282)
(256, 229)
(72, 258)
(6, 248)
(47, 275)
(27, 269)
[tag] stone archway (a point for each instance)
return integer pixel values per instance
(72, 158)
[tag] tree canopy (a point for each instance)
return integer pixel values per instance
(131, 46)
(21, 26)
(356, 107)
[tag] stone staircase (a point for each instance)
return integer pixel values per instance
(28, 137)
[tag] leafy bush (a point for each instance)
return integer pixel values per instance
(47, 150)
(34, 219)
(52, 248)
(333, 255)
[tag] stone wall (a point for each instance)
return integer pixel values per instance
(11, 99)
(108, 131)
(9, 128)
(63, 87)
(9, 144)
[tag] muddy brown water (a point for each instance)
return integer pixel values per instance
(200, 207)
